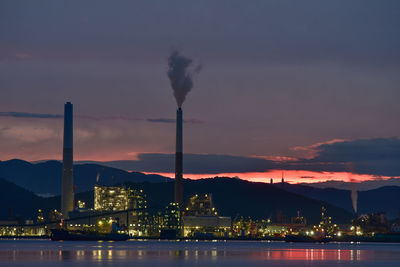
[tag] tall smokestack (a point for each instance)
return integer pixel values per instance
(179, 159)
(67, 190)
(180, 76)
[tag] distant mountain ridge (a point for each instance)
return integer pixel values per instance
(158, 165)
(361, 186)
(45, 177)
(235, 197)
(384, 199)
(232, 197)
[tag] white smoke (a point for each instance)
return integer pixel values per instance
(354, 197)
(180, 75)
(354, 192)
(98, 178)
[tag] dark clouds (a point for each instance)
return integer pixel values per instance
(30, 115)
(194, 163)
(162, 120)
(167, 120)
(359, 150)
(378, 157)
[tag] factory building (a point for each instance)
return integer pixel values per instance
(115, 198)
(200, 205)
(171, 218)
(110, 198)
(121, 198)
(201, 219)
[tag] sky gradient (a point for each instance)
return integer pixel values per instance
(285, 85)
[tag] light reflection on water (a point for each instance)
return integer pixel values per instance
(169, 253)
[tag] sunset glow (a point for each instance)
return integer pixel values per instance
(290, 176)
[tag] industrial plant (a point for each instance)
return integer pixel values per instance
(122, 211)
(125, 211)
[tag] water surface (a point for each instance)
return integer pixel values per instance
(202, 253)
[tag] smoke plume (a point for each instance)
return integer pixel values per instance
(354, 197)
(354, 192)
(180, 75)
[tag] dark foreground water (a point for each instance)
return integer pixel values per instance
(169, 253)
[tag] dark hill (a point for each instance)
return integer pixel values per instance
(384, 199)
(21, 202)
(234, 197)
(336, 197)
(45, 177)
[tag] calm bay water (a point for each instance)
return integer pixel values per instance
(170, 253)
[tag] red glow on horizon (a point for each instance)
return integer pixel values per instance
(290, 176)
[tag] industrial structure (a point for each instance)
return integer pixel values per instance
(110, 198)
(201, 219)
(67, 190)
(130, 205)
(115, 198)
(124, 209)
(179, 159)
(172, 217)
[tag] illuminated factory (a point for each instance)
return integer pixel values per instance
(201, 218)
(122, 198)
(125, 209)
(115, 198)
(110, 198)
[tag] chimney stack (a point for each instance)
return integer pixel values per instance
(67, 190)
(179, 159)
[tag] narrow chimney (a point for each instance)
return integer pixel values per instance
(178, 159)
(67, 190)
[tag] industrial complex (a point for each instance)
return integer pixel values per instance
(125, 209)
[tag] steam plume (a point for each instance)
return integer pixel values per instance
(354, 192)
(180, 75)
(354, 197)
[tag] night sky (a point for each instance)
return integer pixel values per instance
(308, 87)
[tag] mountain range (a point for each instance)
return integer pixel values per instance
(162, 162)
(384, 199)
(360, 186)
(25, 184)
(231, 197)
(44, 178)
